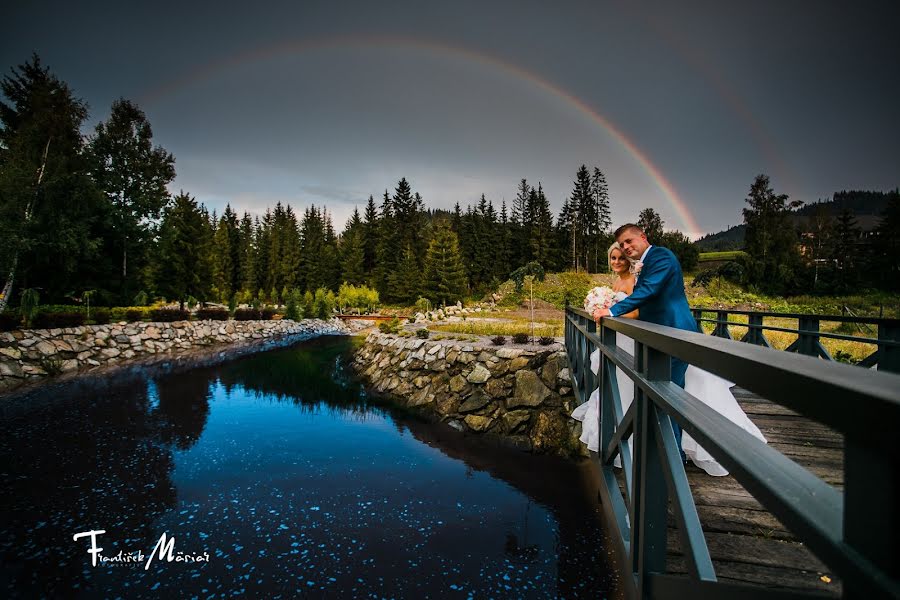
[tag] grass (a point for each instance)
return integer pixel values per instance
(726, 255)
(555, 289)
(502, 327)
(851, 351)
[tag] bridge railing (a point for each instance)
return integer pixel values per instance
(882, 335)
(855, 531)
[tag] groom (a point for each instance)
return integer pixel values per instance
(658, 293)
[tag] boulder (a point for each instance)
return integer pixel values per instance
(529, 390)
(514, 420)
(479, 374)
(457, 384)
(478, 423)
(474, 402)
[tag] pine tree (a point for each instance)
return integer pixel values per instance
(226, 267)
(406, 281)
(445, 280)
(247, 275)
(652, 224)
(52, 219)
(352, 247)
(387, 251)
(845, 253)
(770, 238)
(370, 238)
(182, 265)
(587, 219)
(886, 255)
(600, 235)
(542, 227)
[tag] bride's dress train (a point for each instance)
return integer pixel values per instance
(710, 389)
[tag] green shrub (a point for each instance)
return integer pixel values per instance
(211, 314)
(546, 340)
(246, 314)
(520, 338)
(498, 340)
(29, 306)
(100, 316)
(136, 314)
(267, 313)
(422, 334)
(168, 315)
(10, 320)
(392, 326)
(52, 320)
(292, 301)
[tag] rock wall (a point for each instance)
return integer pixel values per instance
(32, 354)
(518, 394)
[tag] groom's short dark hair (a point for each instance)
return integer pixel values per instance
(625, 228)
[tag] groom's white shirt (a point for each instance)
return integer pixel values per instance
(644, 255)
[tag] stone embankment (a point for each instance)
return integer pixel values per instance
(33, 354)
(520, 395)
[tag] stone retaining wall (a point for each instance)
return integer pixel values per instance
(33, 354)
(521, 395)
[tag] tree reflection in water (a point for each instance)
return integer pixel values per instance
(263, 458)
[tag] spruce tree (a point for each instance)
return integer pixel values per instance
(406, 281)
(542, 227)
(845, 253)
(445, 280)
(370, 237)
(770, 238)
(652, 224)
(182, 264)
(886, 250)
(601, 236)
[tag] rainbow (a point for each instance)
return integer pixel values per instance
(688, 222)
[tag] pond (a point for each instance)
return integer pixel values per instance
(277, 476)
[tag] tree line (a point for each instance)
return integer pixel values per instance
(827, 254)
(93, 213)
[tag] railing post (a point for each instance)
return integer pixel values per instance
(888, 356)
(755, 333)
(590, 379)
(651, 494)
(871, 497)
(808, 336)
(721, 329)
(698, 316)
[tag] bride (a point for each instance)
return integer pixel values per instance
(710, 389)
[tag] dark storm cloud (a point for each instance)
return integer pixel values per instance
(330, 102)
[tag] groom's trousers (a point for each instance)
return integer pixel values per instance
(679, 368)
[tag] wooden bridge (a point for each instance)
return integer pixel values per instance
(813, 513)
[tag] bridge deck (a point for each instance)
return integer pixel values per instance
(748, 544)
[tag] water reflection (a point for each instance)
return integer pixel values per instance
(277, 465)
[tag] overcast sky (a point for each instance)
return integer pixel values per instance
(680, 104)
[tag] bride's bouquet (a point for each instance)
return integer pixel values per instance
(602, 297)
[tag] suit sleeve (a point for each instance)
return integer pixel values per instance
(650, 285)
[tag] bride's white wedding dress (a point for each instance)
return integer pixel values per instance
(710, 389)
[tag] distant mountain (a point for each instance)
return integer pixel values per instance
(859, 202)
(865, 206)
(730, 239)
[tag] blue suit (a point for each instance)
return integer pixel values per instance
(659, 295)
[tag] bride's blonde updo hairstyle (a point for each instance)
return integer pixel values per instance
(615, 246)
